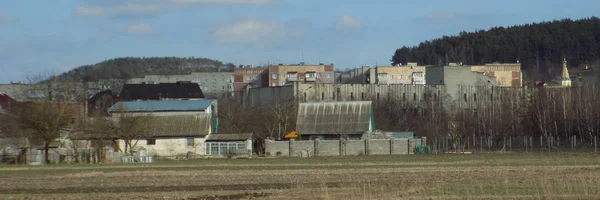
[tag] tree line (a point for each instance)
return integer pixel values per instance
(131, 67)
(539, 47)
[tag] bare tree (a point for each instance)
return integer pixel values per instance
(129, 127)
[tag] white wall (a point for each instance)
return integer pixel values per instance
(170, 146)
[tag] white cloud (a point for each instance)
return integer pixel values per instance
(345, 22)
(148, 7)
(260, 34)
(139, 29)
(219, 1)
(440, 15)
(252, 32)
(4, 19)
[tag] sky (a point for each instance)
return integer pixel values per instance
(41, 37)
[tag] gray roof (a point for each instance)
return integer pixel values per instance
(163, 126)
(334, 117)
(158, 106)
(174, 126)
(229, 137)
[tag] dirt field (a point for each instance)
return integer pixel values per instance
(479, 176)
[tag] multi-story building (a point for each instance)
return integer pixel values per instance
(280, 75)
(410, 74)
(249, 77)
(507, 74)
(211, 83)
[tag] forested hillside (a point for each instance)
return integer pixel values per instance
(130, 67)
(540, 47)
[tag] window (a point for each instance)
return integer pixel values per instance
(151, 141)
(311, 75)
(247, 78)
(292, 75)
(274, 76)
(328, 75)
(382, 76)
(189, 142)
(274, 84)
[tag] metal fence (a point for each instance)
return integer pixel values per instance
(482, 143)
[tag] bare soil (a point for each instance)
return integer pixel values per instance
(483, 176)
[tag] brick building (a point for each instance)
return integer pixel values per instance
(280, 75)
(249, 77)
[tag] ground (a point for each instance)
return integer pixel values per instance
(477, 176)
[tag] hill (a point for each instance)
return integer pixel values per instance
(540, 47)
(130, 67)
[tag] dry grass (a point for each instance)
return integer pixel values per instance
(482, 176)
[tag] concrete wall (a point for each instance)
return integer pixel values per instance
(299, 148)
(402, 147)
(379, 147)
(328, 147)
(269, 95)
(273, 147)
(339, 148)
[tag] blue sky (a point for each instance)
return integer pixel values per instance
(56, 36)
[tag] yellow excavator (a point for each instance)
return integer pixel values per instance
(292, 135)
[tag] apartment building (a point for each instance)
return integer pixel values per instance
(506, 74)
(249, 77)
(280, 75)
(410, 74)
(211, 83)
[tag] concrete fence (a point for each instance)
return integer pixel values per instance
(293, 148)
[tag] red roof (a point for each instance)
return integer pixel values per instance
(5, 100)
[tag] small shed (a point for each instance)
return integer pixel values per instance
(227, 144)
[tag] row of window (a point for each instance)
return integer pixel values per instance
(190, 142)
(415, 75)
(295, 75)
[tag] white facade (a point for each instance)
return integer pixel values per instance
(170, 147)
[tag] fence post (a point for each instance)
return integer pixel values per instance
(481, 143)
(525, 141)
(575, 141)
(342, 147)
(367, 146)
(291, 148)
(316, 149)
(595, 144)
(531, 142)
(510, 143)
(392, 146)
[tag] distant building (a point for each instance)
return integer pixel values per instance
(100, 102)
(249, 77)
(361, 75)
(161, 91)
(5, 101)
(565, 79)
(506, 74)
(408, 75)
(280, 75)
(211, 83)
(456, 77)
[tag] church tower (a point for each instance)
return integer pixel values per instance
(565, 78)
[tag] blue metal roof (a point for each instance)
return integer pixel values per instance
(157, 106)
